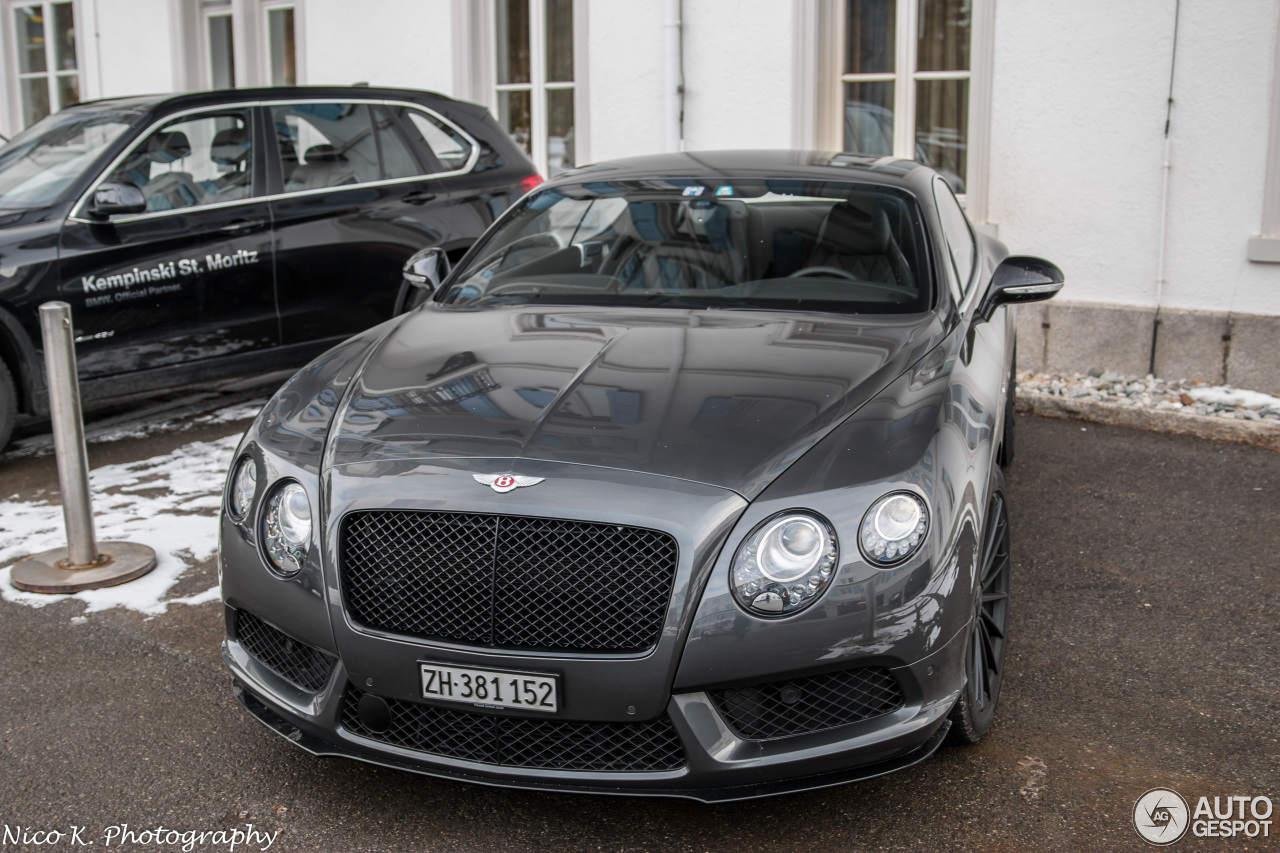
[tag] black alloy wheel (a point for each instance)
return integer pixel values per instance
(975, 710)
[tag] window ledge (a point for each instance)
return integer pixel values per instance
(1264, 250)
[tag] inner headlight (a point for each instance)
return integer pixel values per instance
(286, 527)
(785, 564)
(893, 528)
(243, 488)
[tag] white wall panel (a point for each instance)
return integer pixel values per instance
(626, 74)
(401, 43)
(133, 45)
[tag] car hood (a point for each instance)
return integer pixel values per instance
(726, 398)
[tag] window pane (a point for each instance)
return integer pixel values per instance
(325, 145)
(449, 147)
(222, 56)
(30, 23)
(513, 115)
(942, 128)
(513, 41)
(41, 164)
(868, 117)
(397, 160)
(284, 68)
(944, 35)
(559, 131)
(869, 36)
(559, 41)
(35, 100)
(68, 90)
(193, 161)
(955, 227)
(64, 38)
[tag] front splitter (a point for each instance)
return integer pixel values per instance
(322, 748)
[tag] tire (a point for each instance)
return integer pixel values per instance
(8, 405)
(1004, 455)
(975, 710)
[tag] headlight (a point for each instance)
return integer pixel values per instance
(785, 564)
(894, 528)
(286, 527)
(243, 488)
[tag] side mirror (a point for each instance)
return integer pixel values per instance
(1020, 279)
(111, 198)
(423, 274)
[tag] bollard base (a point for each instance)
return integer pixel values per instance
(44, 572)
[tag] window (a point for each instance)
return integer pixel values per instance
(960, 242)
(192, 161)
(906, 81)
(282, 55)
(534, 78)
(334, 145)
(221, 50)
(48, 157)
(450, 147)
(48, 69)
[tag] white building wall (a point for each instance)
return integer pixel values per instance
(738, 74)
(128, 49)
(625, 68)
(1077, 147)
(400, 43)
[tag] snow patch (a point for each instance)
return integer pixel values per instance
(168, 502)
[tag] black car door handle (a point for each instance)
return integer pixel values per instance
(418, 197)
(241, 225)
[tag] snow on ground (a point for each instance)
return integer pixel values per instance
(168, 502)
(1190, 396)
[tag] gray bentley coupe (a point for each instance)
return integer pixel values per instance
(685, 481)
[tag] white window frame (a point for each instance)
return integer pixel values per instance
(1264, 247)
(475, 76)
(264, 40)
(9, 43)
(819, 85)
(207, 13)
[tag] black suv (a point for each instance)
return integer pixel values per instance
(203, 236)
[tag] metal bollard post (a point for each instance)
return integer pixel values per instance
(81, 565)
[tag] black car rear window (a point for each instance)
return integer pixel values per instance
(778, 244)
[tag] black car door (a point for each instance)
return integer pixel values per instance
(357, 196)
(191, 278)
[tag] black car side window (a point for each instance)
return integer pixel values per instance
(398, 161)
(193, 161)
(451, 148)
(325, 145)
(960, 242)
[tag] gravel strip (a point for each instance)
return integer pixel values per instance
(1186, 407)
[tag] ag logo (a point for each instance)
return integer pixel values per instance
(1161, 816)
(505, 482)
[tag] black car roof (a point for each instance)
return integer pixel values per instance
(166, 102)
(763, 163)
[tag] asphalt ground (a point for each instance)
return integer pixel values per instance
(1144, 653)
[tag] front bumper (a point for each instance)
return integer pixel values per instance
(719, 765)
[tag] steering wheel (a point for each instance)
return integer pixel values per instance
(825, 270)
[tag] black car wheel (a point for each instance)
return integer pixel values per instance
(1005, 457)
(984, 655)
(8, 405)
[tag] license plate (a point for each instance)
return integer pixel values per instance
(491, 688)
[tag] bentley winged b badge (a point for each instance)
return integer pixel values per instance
(506, 482)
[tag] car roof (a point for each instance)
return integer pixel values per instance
(167, 102)
(762, 163)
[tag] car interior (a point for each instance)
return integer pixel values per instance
(175, 173)
(865, 248)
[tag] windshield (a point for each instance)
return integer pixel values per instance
(40, 163)
(778, 244)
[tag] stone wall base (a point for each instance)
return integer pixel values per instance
(1242, 350)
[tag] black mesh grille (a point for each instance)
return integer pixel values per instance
(296, 662)
(814, 703)
(507, 581)
(514, 742)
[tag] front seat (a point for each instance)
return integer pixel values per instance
(860, 242)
